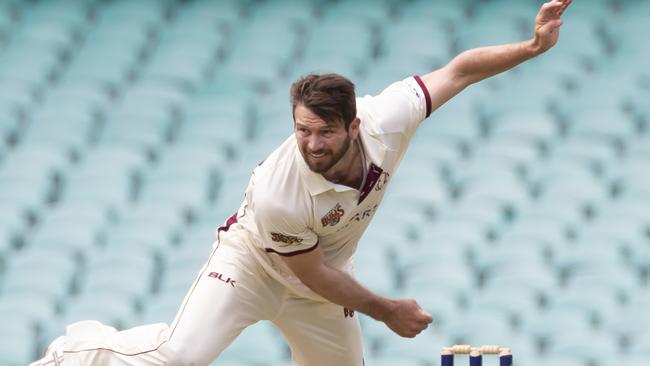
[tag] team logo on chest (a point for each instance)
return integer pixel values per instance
(333, 217)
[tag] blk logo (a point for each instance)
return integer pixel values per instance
(222, 278)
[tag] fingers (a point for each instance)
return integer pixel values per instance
(556, 7)
(426, 317)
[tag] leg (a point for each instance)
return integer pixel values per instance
(229, 294)
(321, 333)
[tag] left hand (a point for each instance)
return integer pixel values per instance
(547, 24)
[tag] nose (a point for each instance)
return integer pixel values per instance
(315, 143)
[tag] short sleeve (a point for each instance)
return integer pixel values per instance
(282, 231)
(399, 108)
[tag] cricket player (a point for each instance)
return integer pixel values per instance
(285, 256)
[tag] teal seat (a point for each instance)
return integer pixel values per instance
(35, 162)
(520, 302)
(14, 217)
(465, 229)
(484, 31)
(32, 63)
(475, 184)
(165, 214)
(183, 195)
(589, 192)
(19, 347)
(29, 305)
(273, 40)
(448, 123)
(359, 11)
(600, 124)
(442, 155)
(149, 12)
(543, 327)
(107, 190)
(124, 279)
(160, 309)
(291, 12)
(76, 235)
(262, 337)
(372, 268)
(440, 275)
(44, 271)
(7, 239)
(488, 211)
(67, 129)
(146, 234)
(160, 95)
(582, 348)
(147, 134)
(104, 306)
(202, 13)
(91, 65)
(627, 230)
(217, 124)
(473, 327)
(323, 41)
(439, 11)
(29, 193)
(404, 40)
(520, 152)
(185, 64)
(593, 153)
(421, 350)
(178, 279)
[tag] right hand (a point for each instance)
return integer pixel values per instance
(548, 22)
(407, 318)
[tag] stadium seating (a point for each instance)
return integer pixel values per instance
(129, 129)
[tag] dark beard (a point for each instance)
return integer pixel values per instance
(335, 158)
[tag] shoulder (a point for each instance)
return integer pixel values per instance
(400, 107)
(277, 191)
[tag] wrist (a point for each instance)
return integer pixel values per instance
(535, 47)
(380, 308)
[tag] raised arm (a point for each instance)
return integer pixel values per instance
(403, 316)
(480, 63)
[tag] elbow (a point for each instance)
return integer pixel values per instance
(458, 77)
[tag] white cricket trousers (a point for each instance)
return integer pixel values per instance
(231, 292)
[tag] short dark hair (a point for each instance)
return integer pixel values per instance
(329, 96)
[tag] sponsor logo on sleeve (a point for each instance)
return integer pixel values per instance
(285, 240)
(333, 216)
(222, 278)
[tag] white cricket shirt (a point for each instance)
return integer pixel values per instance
(289, 210)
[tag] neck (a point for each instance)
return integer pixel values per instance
(349, 170)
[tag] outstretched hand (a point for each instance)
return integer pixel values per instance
(548, 22)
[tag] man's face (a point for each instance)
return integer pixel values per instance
(322, 144)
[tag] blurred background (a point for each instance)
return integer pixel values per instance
(520, 215)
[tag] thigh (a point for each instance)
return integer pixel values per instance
(229, 294)
(321, 333)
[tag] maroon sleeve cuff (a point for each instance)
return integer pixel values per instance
(291, 254)
(427, 97)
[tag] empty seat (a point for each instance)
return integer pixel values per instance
(104, 306)
(262, 337)
(41, 271)
(18, 347)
